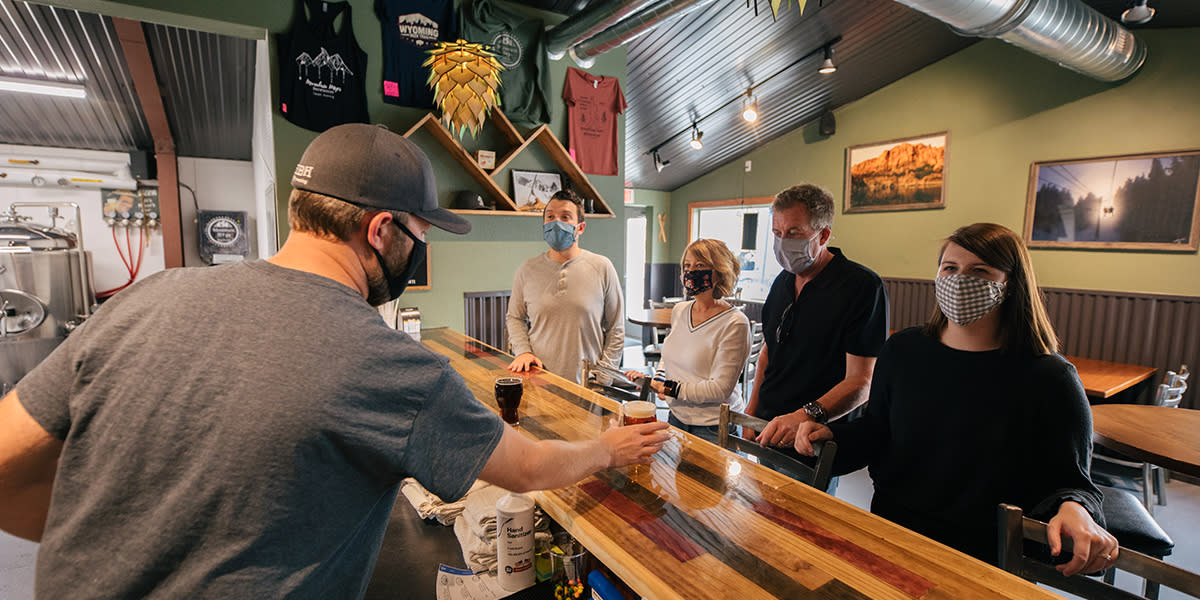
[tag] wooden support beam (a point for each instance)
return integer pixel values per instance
(141, 68)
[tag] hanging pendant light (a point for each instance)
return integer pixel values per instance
(696, 135)
(466, 84)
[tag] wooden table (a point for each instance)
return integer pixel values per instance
(703, 522)
(650, 317)
(1167, 437)
(1103, 379)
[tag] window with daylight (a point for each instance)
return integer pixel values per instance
(745, 227)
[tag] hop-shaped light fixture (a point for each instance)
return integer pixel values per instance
(466, 84)
(777, 4)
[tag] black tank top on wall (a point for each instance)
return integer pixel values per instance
(321, 71)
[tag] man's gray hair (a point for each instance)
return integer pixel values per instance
(815, 199)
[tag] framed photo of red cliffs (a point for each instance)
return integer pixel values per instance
(903, 174)
(1130, 202)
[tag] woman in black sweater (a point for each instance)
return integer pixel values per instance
(977, 408)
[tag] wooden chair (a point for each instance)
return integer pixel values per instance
(817, 475)
(609, 382)
(1015, 529)
(1151, 477)
(756, 346)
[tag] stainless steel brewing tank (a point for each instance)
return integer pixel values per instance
(45, 292)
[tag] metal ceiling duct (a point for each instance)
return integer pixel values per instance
(1067, 32)
(584, 53)
(588, 22)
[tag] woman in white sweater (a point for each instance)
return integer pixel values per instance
(707, 347)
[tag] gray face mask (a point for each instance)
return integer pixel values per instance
(795, 255)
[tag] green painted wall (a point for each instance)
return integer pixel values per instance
(486, 258)
(1004, 108)
(659, 203)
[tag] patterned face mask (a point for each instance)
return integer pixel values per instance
(965, 299)
(697, 280)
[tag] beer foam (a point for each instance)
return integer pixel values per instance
(638, 409)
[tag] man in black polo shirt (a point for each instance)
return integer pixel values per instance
(825, 320)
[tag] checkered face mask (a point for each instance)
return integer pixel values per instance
(965, 299)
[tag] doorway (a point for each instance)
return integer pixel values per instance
(636, 243)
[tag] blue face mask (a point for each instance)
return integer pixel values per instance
(559, 235)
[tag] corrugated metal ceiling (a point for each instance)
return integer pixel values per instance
(206, 80)
(208, 89)
(688, 68)
(57, 45)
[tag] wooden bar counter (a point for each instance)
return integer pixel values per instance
(703, 522)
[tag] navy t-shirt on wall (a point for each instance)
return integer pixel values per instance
(411, 28)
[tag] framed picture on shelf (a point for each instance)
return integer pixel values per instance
(903, 174)
(532, 189)
(1129, 202)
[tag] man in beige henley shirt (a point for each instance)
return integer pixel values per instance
(566, 303)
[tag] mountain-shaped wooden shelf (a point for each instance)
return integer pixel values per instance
(541, 135)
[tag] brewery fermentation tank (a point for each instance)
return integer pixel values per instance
(45, 287)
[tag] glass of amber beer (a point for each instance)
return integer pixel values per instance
(637, 412)
(508, 398)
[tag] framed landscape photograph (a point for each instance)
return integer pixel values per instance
(1131, 202)
(532, 189)
(904, 174)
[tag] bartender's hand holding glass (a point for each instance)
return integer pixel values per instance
(1095, 548)
(524, 362)
(809, 432)
(634, 444)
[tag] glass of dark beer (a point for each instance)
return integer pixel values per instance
(508, 397)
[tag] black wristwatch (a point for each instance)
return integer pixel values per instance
(816, 412)
(671, 388)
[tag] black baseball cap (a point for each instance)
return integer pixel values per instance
(369, 166)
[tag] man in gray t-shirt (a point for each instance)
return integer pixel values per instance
(241, 431)
(566, 303)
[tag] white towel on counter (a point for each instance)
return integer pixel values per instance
(479, 509)
(429, 505)
(479, 555)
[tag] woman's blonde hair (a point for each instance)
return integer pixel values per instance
(1024, 325)
(724, 264)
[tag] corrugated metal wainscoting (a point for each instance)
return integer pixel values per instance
(484, 317)
(1141, 329)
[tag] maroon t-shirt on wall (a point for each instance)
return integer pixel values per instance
(593, 104)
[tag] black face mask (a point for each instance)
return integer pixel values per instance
(416, 258)
(697, 280)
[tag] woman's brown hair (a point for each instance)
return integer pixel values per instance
(724, 264)
(1024, 325)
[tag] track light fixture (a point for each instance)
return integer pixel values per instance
(696, 135)
(659, 163)
(1137, 14)
(748, 99)
(750, 107)
(828, 67)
